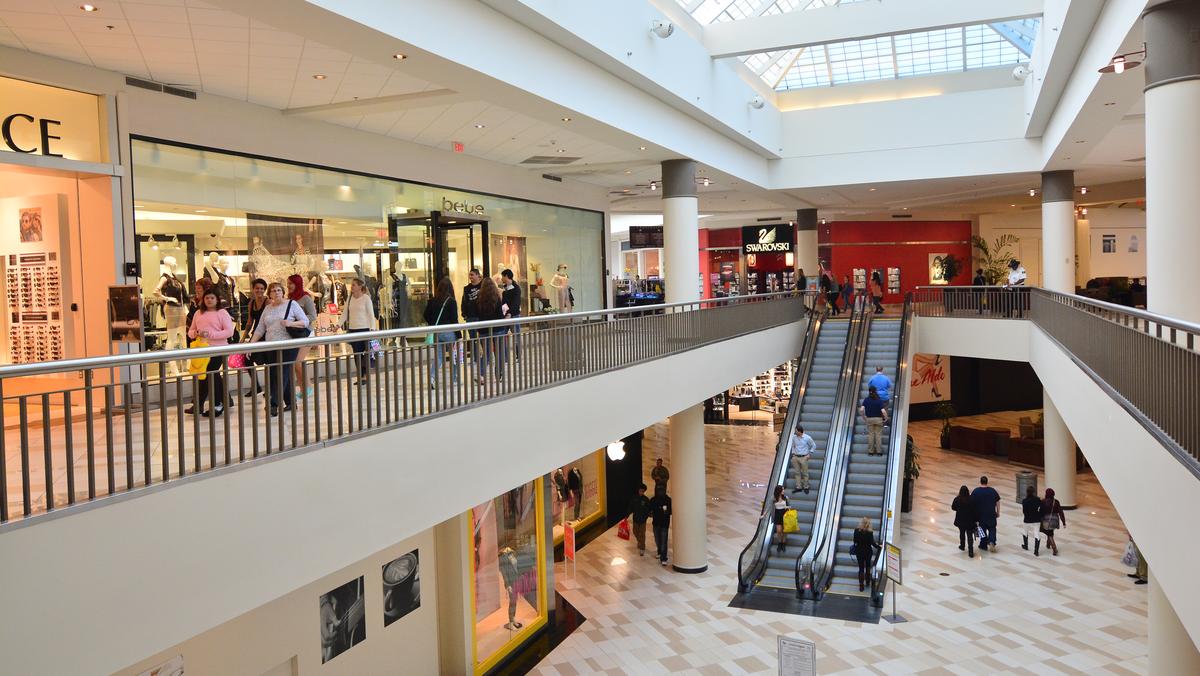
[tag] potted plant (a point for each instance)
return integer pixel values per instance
(912, 470)
(945, 411)
(951, 267)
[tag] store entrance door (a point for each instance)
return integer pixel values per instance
(459, 244)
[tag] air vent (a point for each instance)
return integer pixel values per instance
(552, 177)
(547, 159)
(901, 215)
(770, 219)
(156, 87)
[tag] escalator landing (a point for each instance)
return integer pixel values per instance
(850, 608)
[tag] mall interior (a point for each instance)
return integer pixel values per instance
(591, 249)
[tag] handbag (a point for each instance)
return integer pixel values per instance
(294, 331)
(432, 336)
(853, 549)
(980, 533)
(791, 521)
(1050, 521)
(623, 529)
(198, 366)
(1130, 557)
(237, 361)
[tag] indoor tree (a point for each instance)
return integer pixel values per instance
(994, 258)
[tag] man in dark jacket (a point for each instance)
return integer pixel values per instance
(660, 511)
(986, 501)
(470, 306)
(979, 280)
(639, 509)
(511, 296)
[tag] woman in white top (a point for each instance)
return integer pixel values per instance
(780, 505)
(359, 317)
(278, 316)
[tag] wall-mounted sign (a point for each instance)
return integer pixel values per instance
(645, 237)
(758, 239)
(125, 313)
(40, 120)
(930, 379)
(462, 207)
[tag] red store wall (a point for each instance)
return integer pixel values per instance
(728, 237)
(907, 245)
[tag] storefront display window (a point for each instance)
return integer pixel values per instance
(577, 493)
(508, 575)
(231, 218)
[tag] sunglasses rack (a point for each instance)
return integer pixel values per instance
(33, 291)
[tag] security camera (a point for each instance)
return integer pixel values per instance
(661, 28)
(757, 102)
(1021, 72)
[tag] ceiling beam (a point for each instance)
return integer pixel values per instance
(381, 104)
(856, 21)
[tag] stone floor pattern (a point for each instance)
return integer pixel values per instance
(1004, 613)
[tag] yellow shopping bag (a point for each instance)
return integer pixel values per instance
(199, 365)
(791, 521)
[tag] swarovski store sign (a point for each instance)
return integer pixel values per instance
(757, 239)
(37, 119)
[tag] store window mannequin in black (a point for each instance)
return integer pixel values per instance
(510, 570)
(560, 488)
(214, 271)
(400, 304)
(575, 485)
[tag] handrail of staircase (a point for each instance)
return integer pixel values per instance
(812, 563)
(897, 449)
(758, 545)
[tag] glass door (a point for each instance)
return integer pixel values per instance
(410, 270)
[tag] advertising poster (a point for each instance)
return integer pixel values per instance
(125, 313)
(282, 245)
(930, 378)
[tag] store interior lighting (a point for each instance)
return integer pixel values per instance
(1123, 62)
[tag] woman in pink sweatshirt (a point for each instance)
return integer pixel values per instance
(212, 323)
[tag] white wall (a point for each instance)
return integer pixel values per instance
(288, 628)
(150, 571)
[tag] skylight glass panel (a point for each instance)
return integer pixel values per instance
(986, 48)
(719, 11)
(810, 70)
(861, 60)
(927, 52)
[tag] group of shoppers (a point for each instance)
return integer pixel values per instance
(977, 512)
(831, 291)
(483, 300)
(656, 510)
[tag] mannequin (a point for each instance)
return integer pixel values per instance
(214, 270)
(171, 291)
(301, 258)
(575, 485)
(562, 283)
(510, 571)
(400, 303)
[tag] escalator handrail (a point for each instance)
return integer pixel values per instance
(896, 450)
(779, 471)
(837, 450)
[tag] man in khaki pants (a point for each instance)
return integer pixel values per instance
(802, 447)
(874, 412)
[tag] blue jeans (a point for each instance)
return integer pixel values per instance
(279, 377)
(493, 346)
(441, 339)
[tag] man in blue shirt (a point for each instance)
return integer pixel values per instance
(802, 447)
(874, 412)
(986, 502)
(882, 385)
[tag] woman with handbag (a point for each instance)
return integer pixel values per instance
(359, 317)
(442, 310)
(1053, 517)
(780, 504)
(282, 319)
(254, 310)
(863, 550)
(212, 323)
(302, 298)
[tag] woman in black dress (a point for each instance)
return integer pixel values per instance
(964, 520)
(864, 551)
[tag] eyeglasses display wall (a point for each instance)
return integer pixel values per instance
(33, 289)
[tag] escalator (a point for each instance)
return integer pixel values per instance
(811, 404)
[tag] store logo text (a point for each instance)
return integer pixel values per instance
(6, 130)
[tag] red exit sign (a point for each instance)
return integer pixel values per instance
(457, 146)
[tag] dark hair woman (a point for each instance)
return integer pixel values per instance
(442, 310)
(964, 520)
(254, 310)
(493, 341)
(780, 504)
(200, 287)
(212, 323)
(1053, 517)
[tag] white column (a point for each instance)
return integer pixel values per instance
(681, 231)
(1171, 648)
(806, 241)
(681, 250)
(1058, 231)
(1059, 453)
(1083, 251)
(689, 495)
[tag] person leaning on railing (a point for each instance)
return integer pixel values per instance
(279, 316)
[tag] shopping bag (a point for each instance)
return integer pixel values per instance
(374, 345)
(623, 529)
(237, 361)
(198, 366)
(791, 521)
(1130, 557)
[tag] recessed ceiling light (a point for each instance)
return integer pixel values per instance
(1081, 141)
(1111, 103)
(399, 57)
(1083, 190)
(1033, 192)
(1012, 205)
(641, 147)
(705, 182)
(318, 76)
(628, 171)
(137, 206)
(480, 126)
(566, 119)
(202, 211)
(89, 8)
(870, 189)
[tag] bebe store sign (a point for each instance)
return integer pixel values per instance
(37, 119)
(462, 207)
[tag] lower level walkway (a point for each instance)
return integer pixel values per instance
(1008, 612)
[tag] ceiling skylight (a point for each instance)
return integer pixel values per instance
(716, 11)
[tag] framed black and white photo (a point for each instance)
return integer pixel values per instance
(343, 619)
(401, 586)
(1108, 244)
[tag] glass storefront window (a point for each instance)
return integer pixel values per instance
(230, 218)
(577, 492)
(508, 592)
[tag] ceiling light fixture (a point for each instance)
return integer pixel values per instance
(641, 147)
(1083, 190)
(1123, 62)
(870, 189)
(1033, 192)
(480, 126)
(1083, 211)
(318, 76)
(202, 211)
(399, 57)
(705, 182)
(653, 185)
(562, 150)
(89, 8)
(566, 119)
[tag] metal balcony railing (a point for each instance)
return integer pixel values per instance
(119, 425)
(1148, 363)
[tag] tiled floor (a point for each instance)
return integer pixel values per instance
(1005, 613)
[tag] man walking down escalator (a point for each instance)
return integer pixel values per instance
(802, 448)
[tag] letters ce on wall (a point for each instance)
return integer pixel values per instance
(42, 120)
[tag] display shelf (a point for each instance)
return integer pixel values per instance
(893, 280)
(33, 290)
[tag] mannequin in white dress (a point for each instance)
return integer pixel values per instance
(562, 285)
(171, 291)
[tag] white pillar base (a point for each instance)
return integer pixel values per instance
(689, 493)
(1059, 453)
